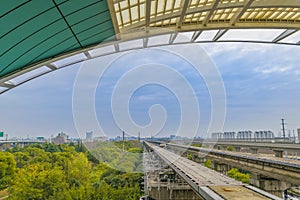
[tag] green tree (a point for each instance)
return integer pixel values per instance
(38, 181)
(207, 163)
(234, 173)
(190, 156)
(52, 172)
(7, 169)
(230, 148)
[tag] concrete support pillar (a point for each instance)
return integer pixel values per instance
(254, 150)
(221, 167)
(198, 159)
(222, 147)
(270, 185)
(278, 153)
(237, 149)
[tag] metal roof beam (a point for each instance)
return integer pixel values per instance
(118, 1)
(276, 4)
(145, 42)
(255, 4)
(7, 85)
(148, 10)
(173, 37)
(87, 55)
(212, 10)
(117, 47)
(219, 34)
(240, 12)
(184, 6)
(196, 35)
(285, 34)
(113, 16)
(51, 66)
(178, 14)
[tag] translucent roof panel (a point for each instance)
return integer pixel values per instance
(36, 33)
(32, 31)
(207, 14)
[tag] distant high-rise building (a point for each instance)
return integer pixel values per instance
(263, 135)
(217, 135)
(244, 135)
(60, 138)
(229, 135)
(298, 134)
(89, 135)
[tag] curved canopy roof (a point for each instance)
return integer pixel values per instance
(35, 34)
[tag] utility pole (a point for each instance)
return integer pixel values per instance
(123, 141)
(283, 128)
(139, 136)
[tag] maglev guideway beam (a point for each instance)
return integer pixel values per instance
(206, 182)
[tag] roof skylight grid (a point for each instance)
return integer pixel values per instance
(271, 14)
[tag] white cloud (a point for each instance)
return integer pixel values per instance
(274, 69)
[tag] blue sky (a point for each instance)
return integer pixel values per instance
(261, 83)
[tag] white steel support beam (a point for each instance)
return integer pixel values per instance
(7, 85)
(87, 55)
(173, 37)
(145, 35)
(51, 66)
(184, 6)
(117, 47)
(212, 10)
(285, 34)
(219, 34)
(240, 12)
(145, 42)
(196, 35)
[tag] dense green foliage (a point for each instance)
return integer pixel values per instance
(190, 156)
(230, 148)
(207, 163)
(236, 174)
(196, 145)
(7, 169)
(52, 171)
(113, 156)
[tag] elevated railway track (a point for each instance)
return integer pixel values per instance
(208, 183)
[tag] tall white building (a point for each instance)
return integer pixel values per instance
(244, 135)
